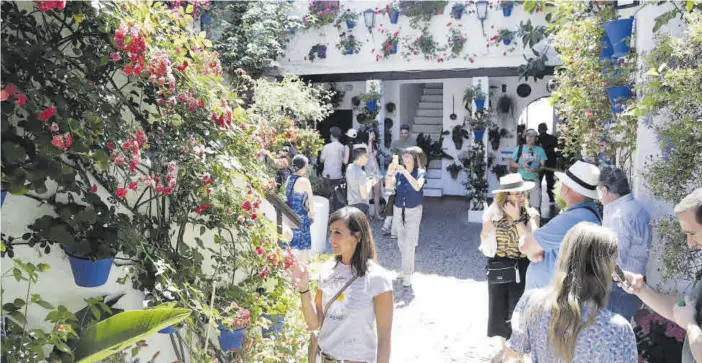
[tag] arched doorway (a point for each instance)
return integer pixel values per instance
(538, 111)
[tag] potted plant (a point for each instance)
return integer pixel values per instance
(620, 78)
(321, 13)
(349, 17)
(389, 46)
(505, 36)
(421, 10)
(505, 103)
(371, 99)
(393, 11)
(454, 169)
(619, 35)
(476, 183)
(479, 123)
(506, 6)
(233, 328)
(424, 44)
(355, 101)
(456, 41)
(458, 133)
(474, 93)
(457, 10)
(348, 44)
(317, 51)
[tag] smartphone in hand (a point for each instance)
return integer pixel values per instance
(621, 276)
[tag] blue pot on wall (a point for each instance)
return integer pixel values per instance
(618, 96)
(322, 53)
(392, 51)
(168, 330)
(479, 135)
(394, 16)
(619, 34)
(506, 41)
(277, 326)
(457, 13)
(479, 104)
(231, 339)
(350, 24)
(606, 49)
(2, 195)
(507, 10)
(348, 52)
(372, 105)
(87, 273)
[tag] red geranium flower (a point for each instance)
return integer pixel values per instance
(94, 189)
(121, 193)
(21, 99)
(46, 114)
(57, 141)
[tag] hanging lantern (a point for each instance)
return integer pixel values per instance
(369, 19)
(481, 9)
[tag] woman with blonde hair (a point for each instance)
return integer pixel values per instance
(508, 219)
(567, 321)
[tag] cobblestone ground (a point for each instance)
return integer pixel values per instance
(443, 316)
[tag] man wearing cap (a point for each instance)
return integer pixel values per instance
(529, 158)
(403, 142)
(549, 143)
(358, 184)
(684, 311)
(578, 189)
(333, 159)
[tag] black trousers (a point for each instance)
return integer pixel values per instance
(550, 183)
(502, 298)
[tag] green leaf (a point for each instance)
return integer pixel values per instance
(96, 311)
(123, 330)
(19, 302)
(690, 5)
(17, 273)
(44, 304)
(189, 9)
(42, 267)
(19, 317)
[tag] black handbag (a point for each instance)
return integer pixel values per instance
(502, 272)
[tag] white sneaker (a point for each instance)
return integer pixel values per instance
(407, 281)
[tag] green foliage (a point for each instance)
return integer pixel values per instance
(476, 185)
(471, 93)
(348, 43)
(316, 51)
(421, 11)
(321, 13)
(347, 16)
(456, 40)
(424, 45)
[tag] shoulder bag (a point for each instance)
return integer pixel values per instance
(313, 351)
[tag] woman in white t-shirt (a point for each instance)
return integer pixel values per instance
(358, 324)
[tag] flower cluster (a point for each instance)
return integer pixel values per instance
(241, 317)
(45, 6)
(277, 259)
(321, 13)
(11, 91)
(645, 318)
(426, 45)
(456, 41)
(132, 40)
(389, 46)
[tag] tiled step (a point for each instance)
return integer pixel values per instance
(428, 129)
(433, 91)
(432, 98)
(435, 183)
(433, 85)
(434, 174)
(431, 105)
(432, 192)
(435, 164)
(421, 120)
(430, 113)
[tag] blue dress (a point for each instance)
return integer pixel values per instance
(302, 238)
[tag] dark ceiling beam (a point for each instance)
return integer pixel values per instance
(405, 75)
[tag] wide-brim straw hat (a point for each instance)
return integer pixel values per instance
(513, 183)
(582, 178)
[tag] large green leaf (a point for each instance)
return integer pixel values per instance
(124, 330)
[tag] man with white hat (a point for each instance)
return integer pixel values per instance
(579, 190)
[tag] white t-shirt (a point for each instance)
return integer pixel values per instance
(349, 331)
(333, 158)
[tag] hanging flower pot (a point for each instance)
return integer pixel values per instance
(607, 50)
(457, 11)
(350, 24)
(478, 134)
(277, 326)
(507, 9)
(394, 15)
(87, 273)
(506, 41)
(618, 96)
(394, 49)
(479, 104)
(372, 105)
(168, 330)
(206, 19)
(619, 34)
(322, 52)
(231, 339)
(348, 52)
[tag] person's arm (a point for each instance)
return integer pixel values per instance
(686, 317)
(418, 183)
(310, 202)
(513, 164)
(323, 155)
(661, 304)
(347, 151)
(310, 308)
(390, 177)
(383, 319)
(529, 246)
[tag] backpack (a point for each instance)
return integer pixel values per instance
(338, 198)
(519, 155)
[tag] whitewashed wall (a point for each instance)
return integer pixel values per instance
(365, 61)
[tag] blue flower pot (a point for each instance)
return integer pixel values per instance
(350, 24)
(479, 104)
(478, 135)
(291, 31)
(348, 52)
(507, 10)
(87, 273)
(2, 195)
(394, 16)
(372, 105)
(506, 41)
(392, 51)
(618, 96)
(168, 330)
(619, 34)
(457, 13)
(322, 53)
(278, 325)
(231, 339)
(206, 19)
(606, 49)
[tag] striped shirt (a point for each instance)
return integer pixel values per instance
(508, 237)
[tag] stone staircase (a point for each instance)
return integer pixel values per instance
(429, 120)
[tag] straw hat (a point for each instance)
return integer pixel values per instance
(513, 183)
(582, 177)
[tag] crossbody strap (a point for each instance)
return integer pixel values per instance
(597, 215)
(326, 308)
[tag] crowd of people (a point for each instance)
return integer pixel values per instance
(564, 291)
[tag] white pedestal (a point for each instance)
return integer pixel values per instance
(318, 229)
(475, 216)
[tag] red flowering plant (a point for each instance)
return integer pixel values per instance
(236, 317)
(321, 13)
(456, 40)
(126, 134)
(389, 46)
(424, 45)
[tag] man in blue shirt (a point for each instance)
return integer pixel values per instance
(529, 159)
(631, 222)
(579, 189)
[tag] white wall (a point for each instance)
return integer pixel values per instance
(365, 61)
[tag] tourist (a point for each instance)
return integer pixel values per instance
(353, 305)
(630, 221)
(358, 183)
(373, 169)
(408, 181)
(505, 221)
(684, 311)
(298, 192)
(578, 190)
(567, 321)
(520, 134)
(351, 140)
(396, 147)
(528, 159)
(333, 158)
(549, 143)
